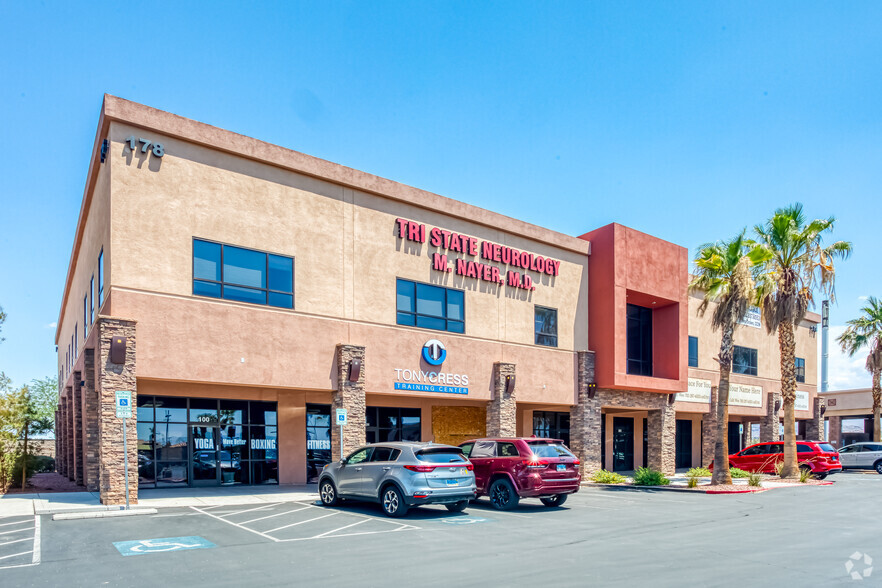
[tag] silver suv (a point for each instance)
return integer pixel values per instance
(401, 475)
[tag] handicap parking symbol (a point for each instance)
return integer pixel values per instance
(464, 520)
(165, 545)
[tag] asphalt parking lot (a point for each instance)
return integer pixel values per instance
(799, 536)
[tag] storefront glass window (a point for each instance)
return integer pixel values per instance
(203, 410)
(233, 412)
(171, 410)
(393, 424)
(318, 440)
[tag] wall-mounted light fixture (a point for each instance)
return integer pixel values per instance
(592, 390)
(509, 384)
(354, 370)
(118, 350)
(777, 406)
(104, 147)
(671, 399)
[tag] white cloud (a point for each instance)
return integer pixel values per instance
(844, 373)
(863, 298)
(50, 326)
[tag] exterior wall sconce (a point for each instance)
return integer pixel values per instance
(118, 350)
(592, 390)
(509, 384)
(354, 370)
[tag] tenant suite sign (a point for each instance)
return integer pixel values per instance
(513, 262)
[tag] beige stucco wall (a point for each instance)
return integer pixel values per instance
(85, 265)
(849, 402)
(768, 357)
(344, 241)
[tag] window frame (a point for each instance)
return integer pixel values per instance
(100, 278)
(645, 320)
(752, 368)
(691, 341)
(799, 369)
(537, 333)
(222, 284)
(415, 314)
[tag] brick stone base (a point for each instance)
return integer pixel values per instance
(350, 396)
(502, 408)
(585, 417)
(814, 429)
(770, 425)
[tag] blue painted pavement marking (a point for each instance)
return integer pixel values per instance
(164, 545)
(467, 520)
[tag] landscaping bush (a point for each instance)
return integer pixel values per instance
(754, 479)
(605, 477)
(692, 481)
(738, 473)
(37, 464)
(650, 477)
(805, 474)
(700, 472)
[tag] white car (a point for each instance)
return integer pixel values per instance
(865, 455)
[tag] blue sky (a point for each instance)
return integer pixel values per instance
(686, 120)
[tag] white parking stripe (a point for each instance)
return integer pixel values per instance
(16, 554)
(278, 514)
(16, 531)
(17, 523)
(16, 541)
(251, 509)
(265, 536)
(302, 522)
(340, 529)
(37, 555)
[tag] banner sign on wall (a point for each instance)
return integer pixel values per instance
(753, 318)
(802, 400)
(507, 265)
(739, 394)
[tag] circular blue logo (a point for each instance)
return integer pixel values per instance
(434, 352)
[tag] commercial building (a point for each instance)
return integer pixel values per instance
(849, 416)
(243, 293)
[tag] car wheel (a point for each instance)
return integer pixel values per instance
(820, 476)
(328, 493)
(554, 501)
(457, 506)
(393, 502)
(878, 467)
(503, 495)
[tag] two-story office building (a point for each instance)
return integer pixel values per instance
(243, 293)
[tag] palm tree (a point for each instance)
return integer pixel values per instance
(723, 274)
(798, 265)
(866, 330)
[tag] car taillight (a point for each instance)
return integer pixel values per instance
(576, 462)
(535, 463)
(470, 467)
(420, 468)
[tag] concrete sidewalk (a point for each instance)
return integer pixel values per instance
(63, 502)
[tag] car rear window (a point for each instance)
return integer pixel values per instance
(826, 447)
(445, 455)
(547, 449)
(803, 448)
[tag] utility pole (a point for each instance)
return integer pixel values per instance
(825, 335)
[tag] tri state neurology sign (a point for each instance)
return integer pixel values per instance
(504, 265)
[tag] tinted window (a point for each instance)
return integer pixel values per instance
(430, 307)
(803, 448)
(484, 449)
(800, 369)
(755, 450)
(693, 351)
(850, 449)
(744, 361)
(466, 448)
(504, 449)
(775, 448)
(385, 454)
(639, 340)
(440, 456)
(872, 448)
(359, 456)
(827, 447)
(244, 275)
(545, 325)
(549, 450)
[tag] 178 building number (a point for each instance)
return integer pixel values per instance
(157, 148)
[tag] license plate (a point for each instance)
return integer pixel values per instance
(561, 467)
(452, 482)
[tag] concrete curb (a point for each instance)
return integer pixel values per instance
(72, 509)
(102, 514)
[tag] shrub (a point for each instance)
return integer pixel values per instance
(650, 477)
(605, 477)
(779, 467)
(805, 474)
(755, 479)
(738, 473)
(699, 472)
(36, 464)
(692, 481)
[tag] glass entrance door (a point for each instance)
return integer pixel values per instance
(204, 449)
(623, 444)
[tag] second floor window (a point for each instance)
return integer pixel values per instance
(546, 326)
(430, 307)
(92, 300)
(744, 361)
(800, 369)
(244, 275)
(100, 279)
(693, 351)
(639, 340)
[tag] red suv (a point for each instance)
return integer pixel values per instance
(508, 469)
(820, 457)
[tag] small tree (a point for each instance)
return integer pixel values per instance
(866, 331)
(24, 414)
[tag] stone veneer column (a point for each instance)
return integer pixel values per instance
(113, 377)
(57, 431)
(68, 434)
(351, 396)
(502, 408)
(90, 423)
(835, 431)
(77, 421)
(709, 429)
(585, 417)
(814, 428)
(770, 426)
(60, 465)
(661, 439)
